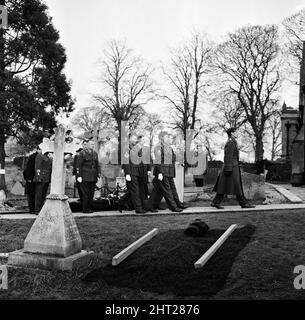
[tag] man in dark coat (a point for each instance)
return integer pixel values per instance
(43, 172)
(74, 172)
(229, 180)
(136, 173)
(164, 174)
(87, 171)
(29, 175)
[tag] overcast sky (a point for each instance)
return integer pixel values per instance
(150, 27)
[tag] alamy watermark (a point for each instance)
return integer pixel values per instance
(160, 152)
(299, 281)
(3, 278)
(3, 17)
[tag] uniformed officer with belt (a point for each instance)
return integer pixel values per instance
(29, 175)
(75, 173)
(87, 171)
(165, 172)
(43, 172)
(136, 172)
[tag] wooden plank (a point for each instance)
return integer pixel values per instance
(208, 255)
(287, 194)
(133, 247)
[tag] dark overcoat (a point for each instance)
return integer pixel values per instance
(29, 171)
(230, 184)
(43, 168)
(87, 166)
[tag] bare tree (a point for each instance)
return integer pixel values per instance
(294, 35)
(248, 65)
(185, 74)
(229, 111)
(274, 128)
(89, 118)
(127, 83)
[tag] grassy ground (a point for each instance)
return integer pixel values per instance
(262, 270)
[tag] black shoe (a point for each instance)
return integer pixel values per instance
(141, 211)
(177, 210)
(161, 208)
(247, 206)
(183, 206)
(153, 210)
(217, 206)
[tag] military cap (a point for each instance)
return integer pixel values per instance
(197, 228)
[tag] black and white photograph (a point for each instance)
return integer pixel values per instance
(152, 153)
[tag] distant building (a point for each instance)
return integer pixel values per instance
(293, 133)
(290, 123)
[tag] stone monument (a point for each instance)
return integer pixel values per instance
(297, 149)
(54, 241)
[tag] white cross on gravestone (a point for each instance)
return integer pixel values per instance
(54, 241)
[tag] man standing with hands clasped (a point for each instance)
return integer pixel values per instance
(229, 179)
(165, 172)
(136, 172)
(87, 173)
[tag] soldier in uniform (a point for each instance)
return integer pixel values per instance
(29, 175)
(74, 172)
(145, 165)
(229, 180)
(87, 171)
(165, 172)
(136, 173)
(43, 172)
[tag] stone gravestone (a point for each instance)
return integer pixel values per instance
(179, 181)
(54, 241)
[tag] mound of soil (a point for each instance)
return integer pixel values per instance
(166, 264)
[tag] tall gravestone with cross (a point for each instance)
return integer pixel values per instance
(54, 241)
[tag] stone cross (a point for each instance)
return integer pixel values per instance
(59, 147)
(54, 241)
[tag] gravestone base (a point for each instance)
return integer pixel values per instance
(79, 260)
(55, 231)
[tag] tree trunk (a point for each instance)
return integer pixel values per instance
(259, 155)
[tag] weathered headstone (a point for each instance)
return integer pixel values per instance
(179, 181)
(18, 189)
(253, 186)
(54, 241)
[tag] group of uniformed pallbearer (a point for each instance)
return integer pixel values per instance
(137, 166)
(137, 175)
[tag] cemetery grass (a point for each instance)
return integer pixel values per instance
(262, 270)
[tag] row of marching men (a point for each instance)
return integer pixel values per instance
(86, 170)
(137, 176)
